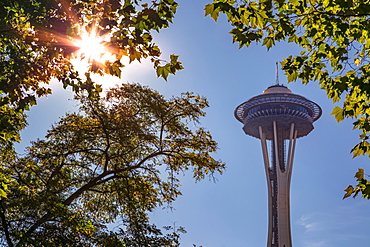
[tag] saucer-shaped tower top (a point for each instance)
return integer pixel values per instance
(279, 104)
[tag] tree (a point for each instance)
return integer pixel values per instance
(335, 43)
(114, 161)
(38, 39)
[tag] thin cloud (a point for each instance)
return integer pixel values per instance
(331, 228)
(309, 223)
(316, 228)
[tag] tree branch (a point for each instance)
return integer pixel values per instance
(5, 225)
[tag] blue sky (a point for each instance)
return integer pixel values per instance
(233, 211)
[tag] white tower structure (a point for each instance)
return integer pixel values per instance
(278, 116)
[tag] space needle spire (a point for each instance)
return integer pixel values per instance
(278, 116)
(277, 74)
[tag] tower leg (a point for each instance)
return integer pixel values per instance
(271, 237)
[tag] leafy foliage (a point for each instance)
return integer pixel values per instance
(335, 43)
(113, 162)
(37, 42)
(362, 187)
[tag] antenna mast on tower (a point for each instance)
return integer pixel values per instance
(277, 74)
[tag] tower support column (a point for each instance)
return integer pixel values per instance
(278, 176)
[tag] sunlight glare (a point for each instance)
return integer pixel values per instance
(91, 46)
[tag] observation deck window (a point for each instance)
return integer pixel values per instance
(285, 108)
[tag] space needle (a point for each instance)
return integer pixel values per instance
(278, 116)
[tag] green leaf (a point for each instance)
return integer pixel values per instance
(349, 191)
(170, 68)
(360, 174)
(210, 10)
(163, 71)
(292, 76)
(366, 191)
(338, 113)
(268, 42)
(357, 150)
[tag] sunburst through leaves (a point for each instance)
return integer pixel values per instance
(93, 47)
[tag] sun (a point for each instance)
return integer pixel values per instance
(93, 50)
(93, 47)
(90, 46)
